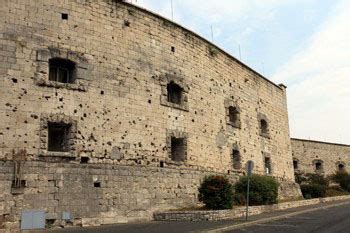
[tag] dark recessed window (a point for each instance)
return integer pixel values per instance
(97, 184)
(84, 159)
(61, 70)
(267, 165)
(174, 93)
(64, 16)
(341, 167)
(295, 164)
(236, 159)
(318, 166)
(58, 137)
(233, 115)
(263, 126)
(177, 149)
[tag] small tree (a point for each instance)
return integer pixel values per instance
(314, 186)
(216, 192)
(263, 190)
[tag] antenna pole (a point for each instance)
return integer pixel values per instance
(239, 51)
(212, 35)
(172, 10)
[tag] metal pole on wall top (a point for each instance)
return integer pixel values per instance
(249, 169)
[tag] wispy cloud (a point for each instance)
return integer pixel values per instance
(319, 82)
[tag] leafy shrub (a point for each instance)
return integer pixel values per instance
(317, 179)
(314, 186)
(263, 190)
(299, 177)
(216, 192)
(343, 179)
(313, 190)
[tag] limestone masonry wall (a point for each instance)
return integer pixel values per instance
(329, 157)
(128, 149)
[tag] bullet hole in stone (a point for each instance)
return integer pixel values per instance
(25, 142)
(8, 104)
(109, 143)
(75, 111)
(25, 122)
(34, 116)
(80, 105)
(146, 126)
(102, 92)
(126, 23)
(60, 99)
(230, 84)
(140, 144)
(84, 159)
(228, 172)
(192, 120)
(149, 101)
(175, 118)
(56, 94)
(14, 80)
(64, 16)
(161, 164)
(84, 115)
(97, 184)
(82, 118)
(172, 49)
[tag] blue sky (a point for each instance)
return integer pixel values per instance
(301, 43)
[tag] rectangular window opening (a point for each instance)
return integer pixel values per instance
(61, 70)
(19, 183)
(84, 159)
(267, 165)
(58, 137)
(174, 93)
(64, 16)
(295, 164)
(177, 149)
(236, 159)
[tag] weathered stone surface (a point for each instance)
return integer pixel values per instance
(120, 121)
(331, 155)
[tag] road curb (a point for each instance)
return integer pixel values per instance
(269, 219)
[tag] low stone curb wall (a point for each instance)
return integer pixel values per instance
(215, 215)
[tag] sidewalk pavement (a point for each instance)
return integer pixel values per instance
(208, 226)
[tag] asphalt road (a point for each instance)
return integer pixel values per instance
(327, 220)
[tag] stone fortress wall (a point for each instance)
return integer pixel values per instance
(148, 110)
(319, 157)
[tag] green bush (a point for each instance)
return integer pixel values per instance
(216, 192)
(263, 190)
(313, 190)
(317, 179)
(343, 179)
(314, 186)
(299, 177)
